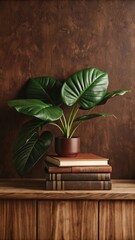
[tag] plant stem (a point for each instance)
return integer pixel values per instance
(71, 113)
(63, 127)
(71, 120)
(65, 121)
(57, 127)
(64, 124)
(71, 135)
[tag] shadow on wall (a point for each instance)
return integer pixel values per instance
(11, 122)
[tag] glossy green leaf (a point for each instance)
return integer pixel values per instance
(37, 108)
(27, 131)
(113, 94)
(46, 89)
(86, 87)
(93, 115)
(29, 154)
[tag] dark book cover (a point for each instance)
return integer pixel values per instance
(52, 168)
(78, 185)
(77, 176)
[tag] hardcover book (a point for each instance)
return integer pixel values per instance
(52, 168)
(78, 185)
(77, 176)
(82, 159)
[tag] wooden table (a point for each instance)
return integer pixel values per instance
(28, 211)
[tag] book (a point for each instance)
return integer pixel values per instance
(77, 176)
(82, 159)
(52, 168)
(78, 185)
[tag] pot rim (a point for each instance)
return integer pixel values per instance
(67, 138)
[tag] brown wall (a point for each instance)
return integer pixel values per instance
(57, 38)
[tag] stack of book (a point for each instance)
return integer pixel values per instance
(87, 171)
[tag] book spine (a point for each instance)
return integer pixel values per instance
(78, 185)
(77, 176)
(96, 169)
(92, 169)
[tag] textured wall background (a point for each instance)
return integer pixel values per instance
(57, 38)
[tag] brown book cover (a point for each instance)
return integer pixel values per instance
(78, 185)
(77, 176)
(51, 168)
(82, 159)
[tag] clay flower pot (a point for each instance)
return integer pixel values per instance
(67, 147)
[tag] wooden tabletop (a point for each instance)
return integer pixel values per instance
(35, 189)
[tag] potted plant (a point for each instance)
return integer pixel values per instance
(45, 102)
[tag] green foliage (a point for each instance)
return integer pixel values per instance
(84, 90)
(37, 108)
(46, 89)
(86, 87)
(28, 154)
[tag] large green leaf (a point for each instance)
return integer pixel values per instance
(27, 131)
(37, 108)
(112, 94)
(93, 115)
(29, 154)
(46, 89)
(86, 87)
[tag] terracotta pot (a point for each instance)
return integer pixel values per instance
(67, 147)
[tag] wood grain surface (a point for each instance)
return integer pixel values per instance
(18, 220)
(68, 220)
(35, 189)
(58, 38)
(117, 220)
(29, 212)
